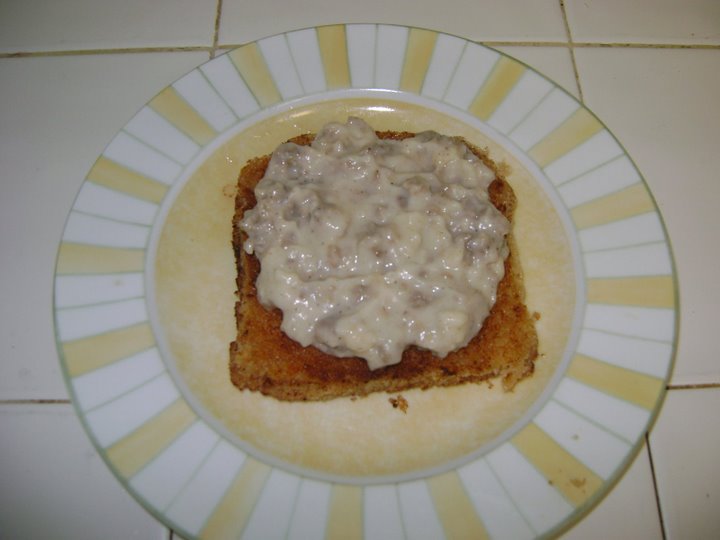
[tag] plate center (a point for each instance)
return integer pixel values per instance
(194, 292)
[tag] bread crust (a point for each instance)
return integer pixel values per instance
(264, 359)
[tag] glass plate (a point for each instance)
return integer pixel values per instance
(537, 473)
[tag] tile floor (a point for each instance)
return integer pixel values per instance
(72, 73)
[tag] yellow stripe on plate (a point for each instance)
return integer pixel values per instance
(85, 259)
(181, 114)
(631, 201)
(571, 133)
(562, 470)
(333, 50)
(638, 388)
(114, 176)
(345, 515)
(232, 514)
(645, 291)
(251, 65)
(87, 354)
(420, 46)
(133, 452)
(455, 509)
(503, 78)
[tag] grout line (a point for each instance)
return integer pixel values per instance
(655, 488)
(571, 49)
(697, 386)
(87, 52)
(601, 44)
(216, 29)
(226, 46)
(35, 402)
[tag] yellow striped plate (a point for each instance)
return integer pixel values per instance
(536, 481)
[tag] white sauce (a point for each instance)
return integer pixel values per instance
(369, 246)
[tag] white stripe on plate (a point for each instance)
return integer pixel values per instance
(112, 421)
(527, 93)
(227, 81)
(634, 321)
(382, 513)
(154, 130)
(280, 63)
(597, 150)
(81, 290)
(599, 450)
(474, 67)
(645, 260)
(203, 492)
(445, 57)
(361, 54)
(649, 357)
(86, 229)
(552, 111)
(160, 481)
(272, 513)
(79, 322)
(305, 51)
(390, 56)
(196, 90)
(621, 417)
(420, 517)
(641, 229)
(492, 503)
(109, 382)
(105, 202)
(526, 486)
(606, 179)
(139, 157)
(311, 511)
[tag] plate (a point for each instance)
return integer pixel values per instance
(539, 472)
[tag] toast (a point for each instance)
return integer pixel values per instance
(266, 360)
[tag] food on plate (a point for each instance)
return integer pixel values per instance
(376, 261)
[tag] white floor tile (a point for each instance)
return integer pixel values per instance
(662, 105)
(57, 114)
(516, 20)
(644, 21)
(42, 25)
(55, 485)
(628, 511)
(685, 446)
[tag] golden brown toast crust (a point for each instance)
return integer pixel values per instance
(264, 359)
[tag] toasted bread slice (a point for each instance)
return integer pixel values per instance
(264, 359)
